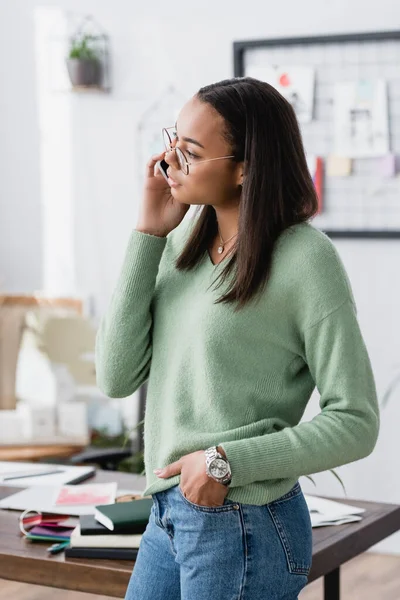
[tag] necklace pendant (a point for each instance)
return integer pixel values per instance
(220, 249)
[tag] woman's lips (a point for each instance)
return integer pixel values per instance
(172, 183)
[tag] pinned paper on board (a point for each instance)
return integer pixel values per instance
(338, 166)
(386, 166)
(361, 124)
(295, 83)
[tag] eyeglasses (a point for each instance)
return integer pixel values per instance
(169, 133)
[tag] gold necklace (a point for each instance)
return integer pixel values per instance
(222, 246)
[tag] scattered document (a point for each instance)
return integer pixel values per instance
(41, 498)
(92, 494)
(329, 512)
(27, 474)
(51, 499)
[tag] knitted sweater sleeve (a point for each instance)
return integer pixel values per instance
(123, 343)
(333, 349)
(347, 427)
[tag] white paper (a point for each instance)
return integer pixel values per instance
(41, 498)
(104, 541)
(295, 83)
(329, 512)
(70, 473)
(361, 124)
(91, 494)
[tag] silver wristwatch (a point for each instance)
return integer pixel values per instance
(217, 466)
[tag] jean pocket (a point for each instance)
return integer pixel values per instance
(227, 506)
(291, 518)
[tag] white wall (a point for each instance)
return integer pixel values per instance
(153, 45)
(20, 218)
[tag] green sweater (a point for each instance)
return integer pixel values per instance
(241, 380)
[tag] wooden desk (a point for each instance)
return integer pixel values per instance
(28, 562)
(53, 448)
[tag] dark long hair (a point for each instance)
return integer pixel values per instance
(278, 192)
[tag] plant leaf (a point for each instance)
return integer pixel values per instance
(339, 479)
(129, 431)
(392, 386)
(309, 477)
(84, 48)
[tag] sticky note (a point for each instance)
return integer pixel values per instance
(338, 166)
(386, 165)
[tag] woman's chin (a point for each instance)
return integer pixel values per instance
(176, 193)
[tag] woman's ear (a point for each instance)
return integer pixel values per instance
(240, 173)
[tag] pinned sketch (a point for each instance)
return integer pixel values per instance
(338, 166)
(295, 83)
(361, 125)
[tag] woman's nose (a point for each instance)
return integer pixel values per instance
(170, 156)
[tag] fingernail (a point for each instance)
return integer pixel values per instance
(157, 471)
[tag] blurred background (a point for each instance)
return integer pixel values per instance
(85, 88)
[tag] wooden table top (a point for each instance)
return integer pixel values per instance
(26, 453)
(21, 560)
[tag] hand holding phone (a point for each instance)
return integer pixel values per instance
(160, 211)
(162, 166)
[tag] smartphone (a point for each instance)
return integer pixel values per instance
(162, 165)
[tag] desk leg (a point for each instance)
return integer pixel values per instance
(332, 585)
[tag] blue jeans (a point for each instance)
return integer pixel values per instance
(230, 552)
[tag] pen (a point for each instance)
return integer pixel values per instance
(32, 475)
(56, 548)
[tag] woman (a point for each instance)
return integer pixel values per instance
(230, 375)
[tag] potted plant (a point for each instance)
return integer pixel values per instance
(83, 62)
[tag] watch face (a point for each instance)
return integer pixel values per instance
(218, 468)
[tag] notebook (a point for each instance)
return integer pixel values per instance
(89, 527)
(110, 553)
(110, 540)
(120, 515)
